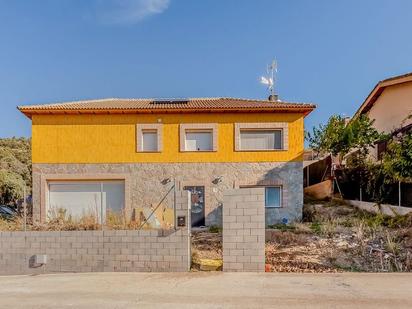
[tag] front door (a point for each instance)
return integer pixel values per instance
(197, 204)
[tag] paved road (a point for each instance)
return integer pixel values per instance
(207, 290)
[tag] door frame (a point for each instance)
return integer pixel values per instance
(201, 216)
(198, 183)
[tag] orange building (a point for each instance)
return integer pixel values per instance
(126, 154)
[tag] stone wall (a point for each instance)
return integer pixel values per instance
(144, 181)
(244, 230)
(98, 251)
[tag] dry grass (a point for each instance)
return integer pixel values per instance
(283, 238)
(59, 220)
(338, 237)
(12, 225)
(302, 228)
(333, 237)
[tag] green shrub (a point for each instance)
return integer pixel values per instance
(282, 226)
(215, 229)
(316, 227)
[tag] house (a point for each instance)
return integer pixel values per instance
(389, 104)
(124, 154)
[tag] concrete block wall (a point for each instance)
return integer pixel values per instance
(244, 230)
(97, 251)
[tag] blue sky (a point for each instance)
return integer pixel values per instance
(330, 53)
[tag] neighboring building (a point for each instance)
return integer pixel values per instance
(124, 154)
(389, 104)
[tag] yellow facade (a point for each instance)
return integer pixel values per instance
(111, 138)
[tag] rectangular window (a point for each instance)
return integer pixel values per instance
(149, 137)
(86, 198)
(273, 197)
(149, 140)
(199, 140)
(260, 139)
(381, 149)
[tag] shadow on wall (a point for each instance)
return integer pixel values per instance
(289, 177)
(215, 217)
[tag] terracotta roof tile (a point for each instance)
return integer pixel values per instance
(165, 105)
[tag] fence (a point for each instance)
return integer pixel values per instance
(34, 252)
(317, 171)
(398, 194)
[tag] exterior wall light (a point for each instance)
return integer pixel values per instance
(217, 180)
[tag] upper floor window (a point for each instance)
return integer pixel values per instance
(149, 137)
(198, 140)
(251, 139)
(198, 137)
(149, 140)
(261, 136)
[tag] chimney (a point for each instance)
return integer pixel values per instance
(273, 98)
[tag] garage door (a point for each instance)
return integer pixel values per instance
(85, 198)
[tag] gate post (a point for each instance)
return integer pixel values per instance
(244, 230)
(182, 220)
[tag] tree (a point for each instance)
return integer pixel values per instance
(339, 138)
(15, 169)
(11, 187)
(397, 161)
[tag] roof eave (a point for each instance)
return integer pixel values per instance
(30, 112)
(377, 91)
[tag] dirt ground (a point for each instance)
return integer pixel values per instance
(207, 249)
(333, 237)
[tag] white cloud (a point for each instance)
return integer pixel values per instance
(129, 11)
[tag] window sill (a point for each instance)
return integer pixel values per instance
(261, 150)
(270, 207)
(196, 151)
(158, 151)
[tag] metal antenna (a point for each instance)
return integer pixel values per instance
(269, 81)
(272, 69)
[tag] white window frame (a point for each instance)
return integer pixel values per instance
(44, 189)
(141, 128)
(155, 134)
(101, 216)
(284, 190)
(261, 130)
(280, 197)
(263, 126)
(209, 132)
(198, 127)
